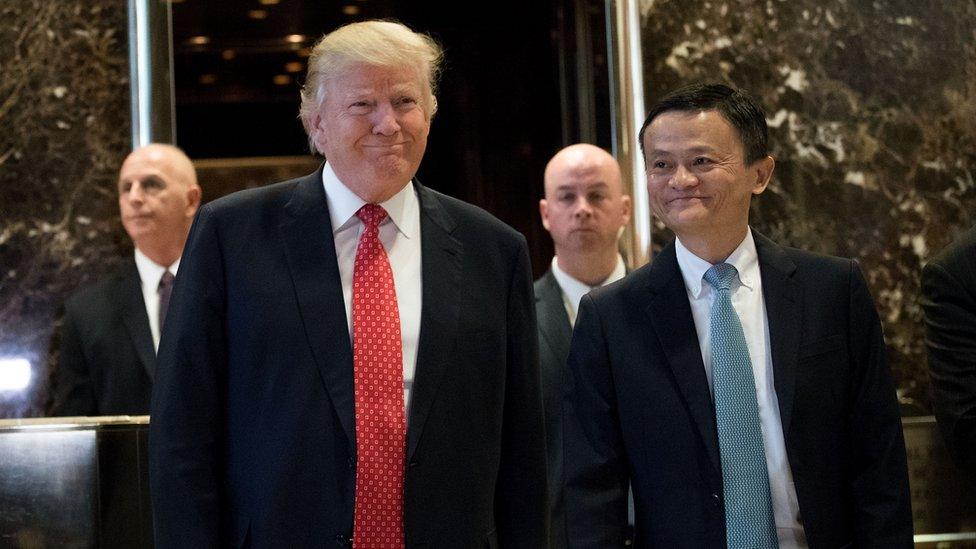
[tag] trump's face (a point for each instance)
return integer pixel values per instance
(372, 128)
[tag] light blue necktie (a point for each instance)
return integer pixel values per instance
(749, 519)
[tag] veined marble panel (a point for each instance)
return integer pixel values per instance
(64, 130)
(872, 115)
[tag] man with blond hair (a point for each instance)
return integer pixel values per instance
(357, 362)
(111, 329)
(584, 210)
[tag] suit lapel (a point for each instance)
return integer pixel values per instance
(306, 233)
(553, 320)
(136, 320)
(781, 293)
(441, 257)
(670, 314)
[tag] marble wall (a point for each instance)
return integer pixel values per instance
(872, 114)
(64, 130)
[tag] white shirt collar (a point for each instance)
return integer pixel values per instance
(150, 272)
(343, 204)
(745, 259)
(573, 290)
(573, 286)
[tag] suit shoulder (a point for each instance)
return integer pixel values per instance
(99, 295)
(960, 254)
(472, 217)
(543, 282)
(248, 201)
(625, 289)
(804, 258)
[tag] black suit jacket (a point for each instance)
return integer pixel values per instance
(642, 400)
(252, 436)
(106, 357)
(555, 334)
(949, 302)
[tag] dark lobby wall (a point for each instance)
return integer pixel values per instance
(64, 130)
(872, 111)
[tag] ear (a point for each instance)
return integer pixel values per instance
(544, 213)
(193, 195)
(626, 205)
(762, 169)
(315, 133)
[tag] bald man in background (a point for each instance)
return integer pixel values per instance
(111, 329)
(584, 210)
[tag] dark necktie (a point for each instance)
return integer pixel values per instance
(749, 521)
(164, 291)
(378, 380)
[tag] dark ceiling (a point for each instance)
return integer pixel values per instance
(246, 51)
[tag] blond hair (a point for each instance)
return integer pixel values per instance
(376, 43)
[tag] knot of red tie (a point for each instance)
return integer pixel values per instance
(371, 215)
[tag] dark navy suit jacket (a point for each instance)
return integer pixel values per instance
(252, 435)
(949, 301)
(555, 333)
(106, 356)
(642, 402)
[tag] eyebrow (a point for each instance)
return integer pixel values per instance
(692, 150)
(599, 185)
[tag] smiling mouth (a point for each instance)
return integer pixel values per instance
(386, 146)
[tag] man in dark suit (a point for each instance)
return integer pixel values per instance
(949, 302)
(111, 329)
(584, 210)
(355, 357)
(739, 386)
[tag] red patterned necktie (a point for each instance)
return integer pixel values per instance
(378, 375)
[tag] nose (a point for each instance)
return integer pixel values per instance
(386, 120)
(135, 193)
(683, 178)
(583, 208)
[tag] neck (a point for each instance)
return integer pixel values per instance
(591, 268)
(714, 248)
(164, 255)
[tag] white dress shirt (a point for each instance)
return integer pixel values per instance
(573, 290)
(400, 235)
(150, 273)
(749, 304)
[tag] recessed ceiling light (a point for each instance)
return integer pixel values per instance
(295, 38)
(257, 14)
(350, 10)
(294, 66)
(198, 40)
(228, 54)
(282, 79)
(268, 2)
(207, 79)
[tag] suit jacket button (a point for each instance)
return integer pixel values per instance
(413, 464)
(341, 540)
(352, 463)
(716, 500)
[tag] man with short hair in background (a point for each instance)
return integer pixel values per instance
(584, 210)
(111, 329)
(356, 362)
(738, 386)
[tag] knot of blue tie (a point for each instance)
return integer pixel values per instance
(720, 276)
